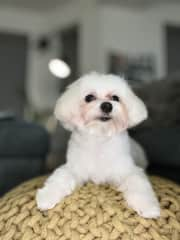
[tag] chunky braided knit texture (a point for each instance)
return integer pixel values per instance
(92, 212)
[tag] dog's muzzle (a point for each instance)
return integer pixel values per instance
(106, 108)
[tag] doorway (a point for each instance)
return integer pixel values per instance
(69, 42)
(173, 49)
(13, 54)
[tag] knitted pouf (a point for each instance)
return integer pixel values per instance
(91, 212)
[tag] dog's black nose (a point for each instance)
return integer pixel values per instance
(106, 107)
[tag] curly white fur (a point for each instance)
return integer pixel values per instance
(101, 151)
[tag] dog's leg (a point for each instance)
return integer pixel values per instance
(139, 194)
(138, 154)
(60, 184)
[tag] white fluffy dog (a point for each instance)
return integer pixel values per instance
(98, 109)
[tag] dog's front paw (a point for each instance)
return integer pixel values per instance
(46, 198)
(151, 212)
(144, 206)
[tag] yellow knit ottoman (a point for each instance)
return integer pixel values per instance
(91, 212)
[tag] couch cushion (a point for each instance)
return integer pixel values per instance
(162, 145)
(21, 139)
(13, 171)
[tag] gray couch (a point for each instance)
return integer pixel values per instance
(160, 133)
(23, 149)
(162, 146)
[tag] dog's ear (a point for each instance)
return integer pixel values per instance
(67, 107)
(136, 109)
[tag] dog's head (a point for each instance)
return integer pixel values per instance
(100, 104)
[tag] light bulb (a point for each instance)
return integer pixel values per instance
(59, 68)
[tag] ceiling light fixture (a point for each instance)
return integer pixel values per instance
(59, 68)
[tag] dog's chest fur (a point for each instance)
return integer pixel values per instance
(98, 158)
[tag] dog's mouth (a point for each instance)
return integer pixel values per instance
(104, 118)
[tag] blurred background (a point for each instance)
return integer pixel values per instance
(139, 39)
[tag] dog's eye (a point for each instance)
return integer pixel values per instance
(115, 98)
(90, 98)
